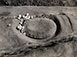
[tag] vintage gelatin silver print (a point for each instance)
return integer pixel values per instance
(38, 28)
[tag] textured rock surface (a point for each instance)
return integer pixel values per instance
(13, 45)
(40, 28)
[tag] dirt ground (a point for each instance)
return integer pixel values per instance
(9, 41)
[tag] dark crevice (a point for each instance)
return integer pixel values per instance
(53, 17)
(69, 22)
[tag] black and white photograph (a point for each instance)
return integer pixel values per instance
(38, 28)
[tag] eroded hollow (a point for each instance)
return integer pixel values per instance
(58, 25)
(40, 28)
